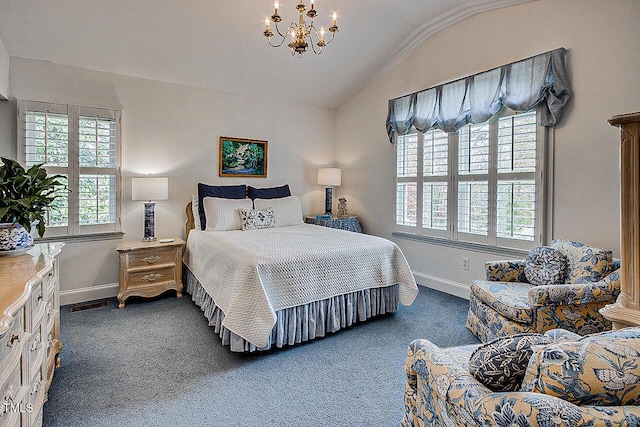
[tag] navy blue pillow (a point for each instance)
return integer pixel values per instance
(269, 193)
(221, 191)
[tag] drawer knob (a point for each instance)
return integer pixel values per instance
(13, 339)
(8, 395)
(151, 259)
(37, 344)
(37, 385)
(151, 277)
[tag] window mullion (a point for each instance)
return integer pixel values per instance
(452, 197)
(74, 172)
(420, 185)
(493, 184)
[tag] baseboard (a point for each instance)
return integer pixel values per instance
(90, 293)
(443, 285)
(110, 290)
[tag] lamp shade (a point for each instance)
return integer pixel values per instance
(330, 176)
(149, 188)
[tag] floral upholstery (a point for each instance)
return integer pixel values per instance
(505, 304)
(511, 299)
(599, 369)
(440, 391)
(585, 263)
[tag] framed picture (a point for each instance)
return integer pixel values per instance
(243, 157)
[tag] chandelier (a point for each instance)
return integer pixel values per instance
(302, 35)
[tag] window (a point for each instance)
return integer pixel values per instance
(482, 184)
(83, 145)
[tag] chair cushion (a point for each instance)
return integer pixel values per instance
(501, 364)
(507, 298)
(545, 266)
(599, 369)
(585, 264)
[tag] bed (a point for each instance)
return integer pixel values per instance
(276, 287)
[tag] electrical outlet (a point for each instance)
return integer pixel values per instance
(465, 264)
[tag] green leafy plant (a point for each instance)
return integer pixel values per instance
(25, 194)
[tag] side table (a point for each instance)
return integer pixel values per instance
(349, 223)
(147, 269)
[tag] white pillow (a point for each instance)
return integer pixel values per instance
(287, 210)
(196, 212)
(222, 214)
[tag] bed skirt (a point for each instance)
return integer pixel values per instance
(304, 322)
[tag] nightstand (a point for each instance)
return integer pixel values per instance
(147, 269)
(349, 223)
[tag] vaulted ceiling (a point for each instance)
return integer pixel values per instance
(219, 44)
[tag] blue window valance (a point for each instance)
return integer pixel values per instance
(537, 82)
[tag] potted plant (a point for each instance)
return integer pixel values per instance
(25, 194)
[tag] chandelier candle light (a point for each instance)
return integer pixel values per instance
(302, 35)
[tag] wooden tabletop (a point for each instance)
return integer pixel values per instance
(16, 275)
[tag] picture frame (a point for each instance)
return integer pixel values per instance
(239, 157)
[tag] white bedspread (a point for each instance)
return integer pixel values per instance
(252, 274)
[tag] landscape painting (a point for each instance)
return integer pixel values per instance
(243, 157)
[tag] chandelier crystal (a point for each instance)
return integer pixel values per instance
(302, 34)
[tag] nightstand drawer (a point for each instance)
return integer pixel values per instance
(151, 257)
(149, 277)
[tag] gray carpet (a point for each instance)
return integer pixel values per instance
(158, 363)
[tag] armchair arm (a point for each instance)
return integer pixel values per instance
(605, 290)
(438, 387)
(537, 409)
(505, 271)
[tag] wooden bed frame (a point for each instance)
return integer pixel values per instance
(189, 223)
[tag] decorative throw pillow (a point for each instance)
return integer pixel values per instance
(269, 193)
(585, 264)
(599, 369)
(545, 266)
(220, 191)
(501, 364)
(287, 210)
(255, 219)
(222, 214)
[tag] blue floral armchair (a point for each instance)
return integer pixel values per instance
(506, 304)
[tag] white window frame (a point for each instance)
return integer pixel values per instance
(73, 169)
(542, 177)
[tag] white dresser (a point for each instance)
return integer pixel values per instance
(29, 332)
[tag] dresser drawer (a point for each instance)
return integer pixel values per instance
(37, 348)
(10, 341)
(35, 397)
(37, 297)
(152, 257)
(149, 277)
(11, 393)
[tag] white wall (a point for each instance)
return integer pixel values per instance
(4, 72)
(172, 130)
(603, 41)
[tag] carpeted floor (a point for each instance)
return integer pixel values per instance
(158, 363)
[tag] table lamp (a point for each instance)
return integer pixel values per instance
(149, 189)
(330, 177)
